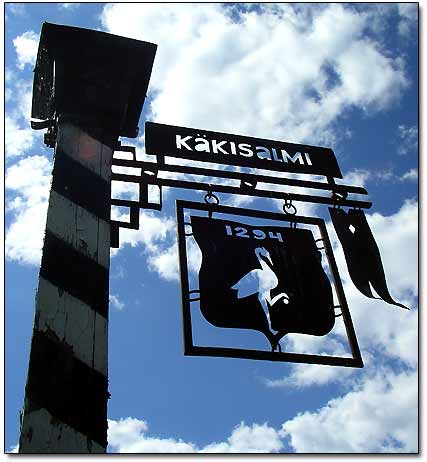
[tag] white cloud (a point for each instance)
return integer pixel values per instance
(124, 190)
(129, 435)
(397, 237)
(379, 415)
(156, 236)
(19, 137)
(382, 328)
(226, 67)
(395, 336)
(69, 6)
(360, 177)
(303, 375)
(165, 262)
(26, 46)
(13, 449)
(408, 139)
(248, 74)
(20, 94)
(153, 231)
(410, 175)
(357, 177)
(17, 9)
(116, 302)
(17, 140)
(408, 19)
(29, 179)
(248, 439)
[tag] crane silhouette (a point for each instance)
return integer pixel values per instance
(266, 279)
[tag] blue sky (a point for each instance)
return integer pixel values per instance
(339, 75)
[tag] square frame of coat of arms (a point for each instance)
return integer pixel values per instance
(261, 285)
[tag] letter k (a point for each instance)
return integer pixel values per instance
(217, 146)
(180, 141)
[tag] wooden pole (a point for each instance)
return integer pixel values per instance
(89, 88)
(65, 407)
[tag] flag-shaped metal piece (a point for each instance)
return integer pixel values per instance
(361, 253)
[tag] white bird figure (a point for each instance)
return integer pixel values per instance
(262, 281)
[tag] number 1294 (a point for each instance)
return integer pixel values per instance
(240, 231)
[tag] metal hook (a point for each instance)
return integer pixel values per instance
(288, 207)
(276, 348)
(190, 292)
(209, 195)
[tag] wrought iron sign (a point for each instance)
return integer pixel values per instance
(223, 148)
(291, 292)
(264, 278)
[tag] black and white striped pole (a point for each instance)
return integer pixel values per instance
(89, 88)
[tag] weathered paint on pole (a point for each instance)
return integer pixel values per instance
(65, 407)
(89, 88)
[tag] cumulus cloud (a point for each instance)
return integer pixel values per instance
(130, 435)
(26, 46)
(250, 68)
(156, 237)
(378, 415)
(116, 302)
(303, 375)
(362, 177)
(408, 139)
(153, 230)
(29, 181)
(408, 19)
(17, 140)
(13, 449)
(410, 175)
(19, 137)
(165, 262)
(396, 336)
(20, 95)
(248, 439)
(68, 6)
(226, 67)
(17, 9)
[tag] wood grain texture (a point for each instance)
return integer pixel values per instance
(69, 325)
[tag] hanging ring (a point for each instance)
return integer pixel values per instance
(209, 195)
(289, 208)
(190, 293)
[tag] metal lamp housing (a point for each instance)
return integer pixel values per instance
(92, 75)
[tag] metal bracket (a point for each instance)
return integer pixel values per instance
(49, 137)
(144, 181)
(249, 185)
